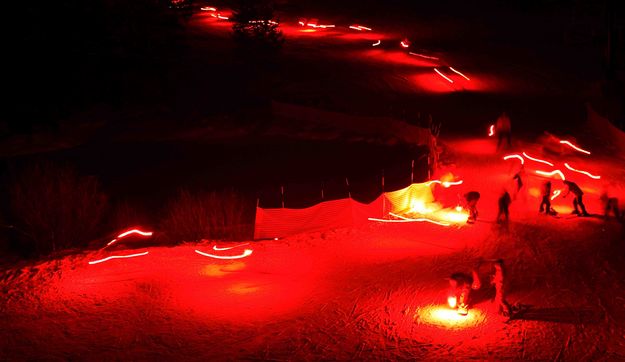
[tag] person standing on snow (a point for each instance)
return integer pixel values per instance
(546, 197)
(577, 201)
(497, 280)
(472, 197)
(503, 129)
(504, 207)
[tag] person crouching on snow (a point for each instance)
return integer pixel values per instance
(472, 198)
(460, 285)
(577, 201)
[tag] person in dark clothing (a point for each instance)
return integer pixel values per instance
(503, 130)
(472, 198)
(545, 203)
(504, 206)
(577, 201)
(460, 291)
(610, 204)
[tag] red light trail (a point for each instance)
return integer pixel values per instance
(405, 44)
(575, 147)
(460, 74)
(555, 172)
(442, 75)
(537, 159)
(208, 8)
(406, 219)
(216, 248)
(556, 193)
(376, 43)
(514, 156)
(582, 172)
(423, 56)
(246, 252)
(491, 130)
(129, 232)
(359, 27)
(117, 257)
(222, 17)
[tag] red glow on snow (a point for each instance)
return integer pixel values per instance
(130, 232)
(376, 43)
(552, 173)
(537, 159)
(246, 252)
(582, 172)
(556, 193)
(575, 147)
(452, 302)
(216, 248)
(460, 74)
(491, 130)
(508, 157)
(118, 257)
(359, 27)
(443, 75)
(450, 319)
(423, 56)
(219, 270)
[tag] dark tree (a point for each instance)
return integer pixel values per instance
(255, 28)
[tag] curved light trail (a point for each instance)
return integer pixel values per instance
(118, 257)
(376, 43)
(491, 130)
(129, 232)
(548, 174)
(575, 147)
(556, 193)
(460, 74)
(423, 56)
(216, 248)
(442, 75)
(246, 252)
(515, 156)
(404, 44)
(537, 159)
(596, 177)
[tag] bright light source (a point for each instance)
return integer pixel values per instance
(452, 302)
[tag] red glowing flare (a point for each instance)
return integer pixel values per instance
(377, 43)
(460, 74)
(582, 172)
(514, 156)
(442, 75)
(537, 159)
(129, 232)
(452, 302)
(548, 174)
(574, 147)
(556, 193)
(491, 130)
(117, 257)
(216, 248)
(423, 56)
(246, 252)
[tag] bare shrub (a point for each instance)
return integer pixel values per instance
(224, 215)
(54, 208)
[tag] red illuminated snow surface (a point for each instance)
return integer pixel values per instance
(376, 292)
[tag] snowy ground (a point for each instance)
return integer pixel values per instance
(377, 292)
